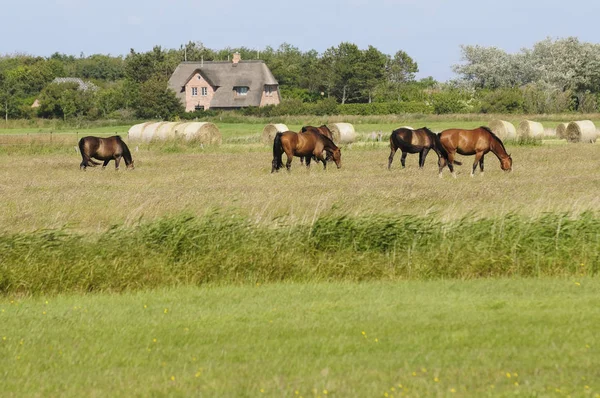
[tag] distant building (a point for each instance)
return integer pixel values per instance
(224, 84)
(84, 86)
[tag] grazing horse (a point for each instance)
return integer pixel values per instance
(323, 130)
(419, 141)
(308, 145)
(104, 149)
(476, 142)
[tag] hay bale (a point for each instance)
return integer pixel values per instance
(149, 132)
(343, 133)
(167, 131)
(530, 129)
(581, 131)
(503, 129)
(268, 133)
(561, 130)
(135, 131)
(203, 132)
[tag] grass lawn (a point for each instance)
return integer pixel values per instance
(523, 337)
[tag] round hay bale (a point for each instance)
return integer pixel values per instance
(167, 131)
(581, 131)
(343, 133)
(135, 131)
(268, 133)
(561, 130)
(503, 129)
(530, 129)
(203, 132)
(149, 132)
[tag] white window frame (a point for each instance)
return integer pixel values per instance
(204, 91)
(242, 90)
(194, 91)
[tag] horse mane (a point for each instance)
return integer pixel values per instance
(494, 136)
(427, 130)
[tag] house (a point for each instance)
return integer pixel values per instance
(224, 84)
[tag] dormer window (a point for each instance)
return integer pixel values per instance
(241, 90)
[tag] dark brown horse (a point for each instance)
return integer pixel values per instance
(105, 149)
(308, 145)
(476, 142)
(323, 130)
(419, 141)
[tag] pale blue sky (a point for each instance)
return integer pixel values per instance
(430, 31)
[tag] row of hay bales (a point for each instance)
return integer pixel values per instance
(343, 133)
(202, 132)
(208, 133)
(576, 131)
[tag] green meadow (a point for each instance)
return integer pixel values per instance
(486, 337)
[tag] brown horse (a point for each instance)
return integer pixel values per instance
(308, 145)
(104, 149)
(323, 130)
(476, 142)
(419, 141)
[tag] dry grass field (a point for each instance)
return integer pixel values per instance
(42, 187)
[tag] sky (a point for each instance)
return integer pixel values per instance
(430, 31)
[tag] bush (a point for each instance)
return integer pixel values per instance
(506, 100)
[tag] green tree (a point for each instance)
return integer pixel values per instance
(65, 100)
(372, 71)
(155, 100)
(342, 65)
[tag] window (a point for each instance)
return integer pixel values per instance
(204, 91)
(268, 91)
(194, 91)
(199, 77)
(241, 90)
(199, 107)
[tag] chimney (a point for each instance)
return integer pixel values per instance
(236, 58)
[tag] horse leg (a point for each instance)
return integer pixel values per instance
(288, 163)
(117, 162)
(451, 163)
(481, 165)
(308, 159)
(403, 159)
(391, 158)
(105, 164)
(422, 157)
(478, 157)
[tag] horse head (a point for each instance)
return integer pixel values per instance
(336, 155)
(506, 163)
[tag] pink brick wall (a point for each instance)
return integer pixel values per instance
(191, 101)
(270, 99)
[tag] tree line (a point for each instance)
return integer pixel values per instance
(556, 75)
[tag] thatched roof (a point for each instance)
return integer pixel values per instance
(224, 76)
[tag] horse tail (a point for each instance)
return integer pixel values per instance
(86, 159)
(277, 151)
(442, 150)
